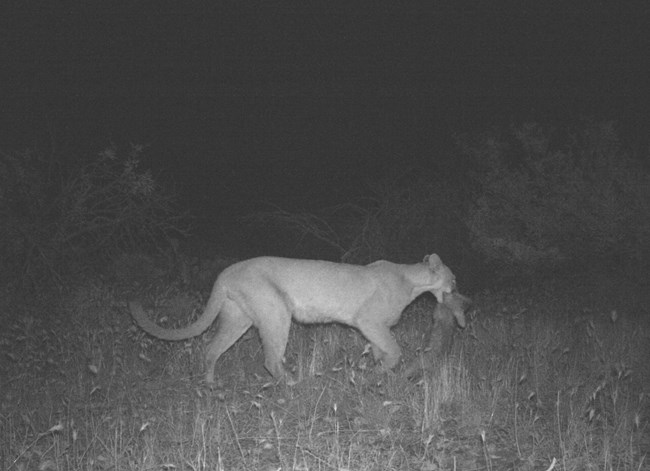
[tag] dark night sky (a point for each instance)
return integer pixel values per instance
(300, 104)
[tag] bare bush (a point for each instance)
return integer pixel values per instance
(546, 195)
(400, 221)
(50, 216)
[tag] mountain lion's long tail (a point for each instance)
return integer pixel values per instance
(202, 323)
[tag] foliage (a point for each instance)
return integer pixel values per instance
(545, 195)
(52, 215)
(405, 221)
(400, 221)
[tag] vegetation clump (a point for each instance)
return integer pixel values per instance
(55, 213)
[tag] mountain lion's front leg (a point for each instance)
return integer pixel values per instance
(384, 346)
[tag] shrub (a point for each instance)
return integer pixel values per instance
(51, 216)
(546, 195)
(400, 221)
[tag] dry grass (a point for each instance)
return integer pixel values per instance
(552, 374)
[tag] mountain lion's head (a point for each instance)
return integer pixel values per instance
(442, 279)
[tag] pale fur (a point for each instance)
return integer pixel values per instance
(266, 292)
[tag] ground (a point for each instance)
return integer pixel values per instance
(549, 370)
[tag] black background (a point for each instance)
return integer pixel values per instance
(300, 104)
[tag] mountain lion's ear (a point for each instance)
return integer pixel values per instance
(433, 260)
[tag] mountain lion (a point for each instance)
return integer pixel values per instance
(266, 292)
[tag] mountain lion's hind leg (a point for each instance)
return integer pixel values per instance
(232, 323)
(275, 335)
